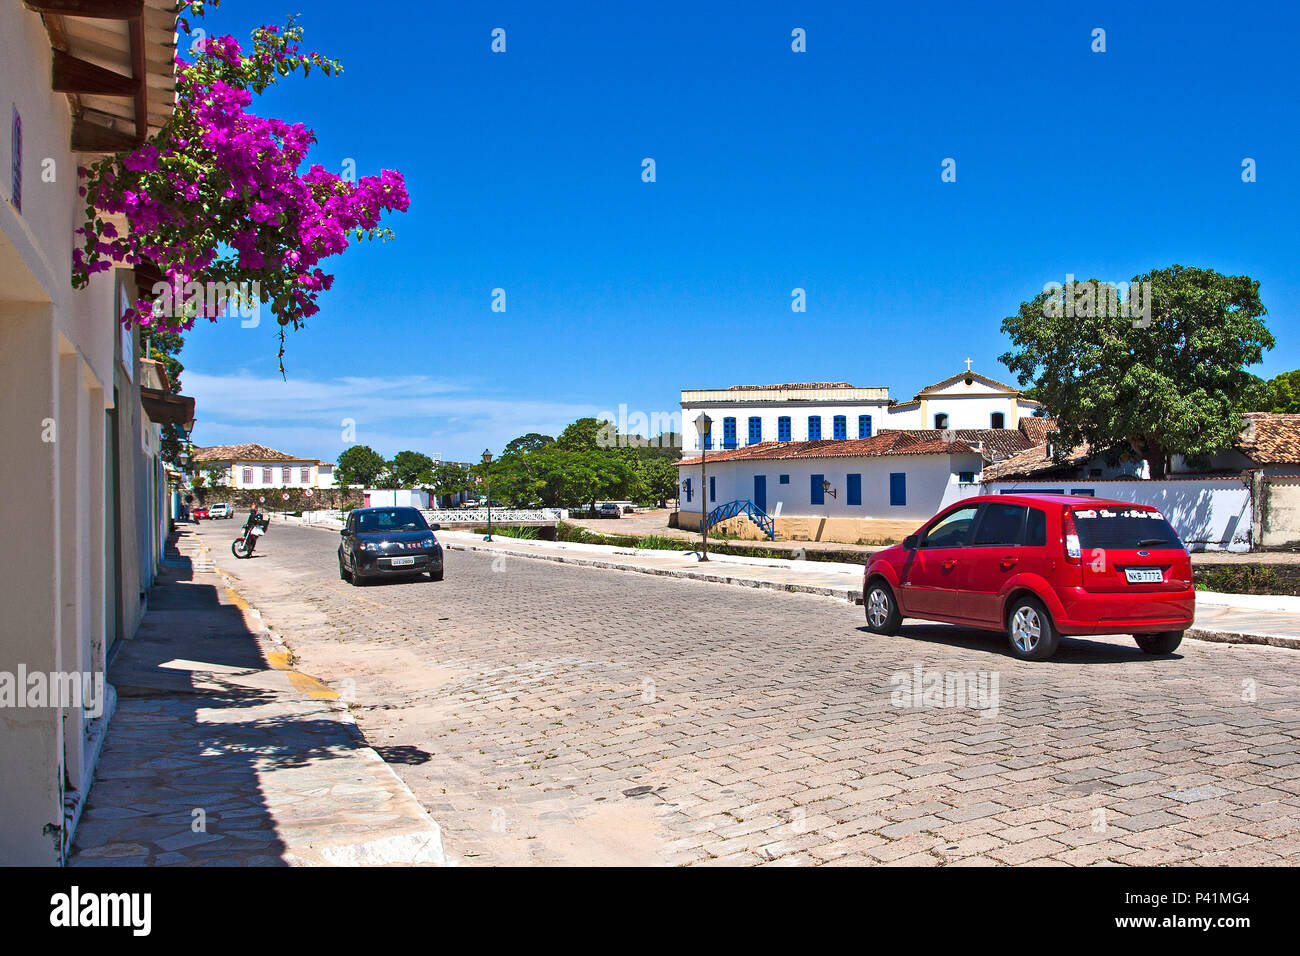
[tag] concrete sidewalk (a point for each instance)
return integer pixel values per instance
(1223, 618)
(220, 753)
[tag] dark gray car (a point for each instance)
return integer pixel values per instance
(384, 542)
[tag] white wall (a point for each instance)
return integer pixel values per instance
(1208, 514)
(931, 483)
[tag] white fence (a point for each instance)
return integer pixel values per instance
(1209, 514)
(504, 515)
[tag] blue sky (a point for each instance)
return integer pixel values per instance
(775, 170)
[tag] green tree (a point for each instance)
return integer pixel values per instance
(587, 434)
(1281, 394)
(359, 465)
(1174, 386)
(533, 441)
(411, 468)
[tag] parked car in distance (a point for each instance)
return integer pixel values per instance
(199, 511)
(1038, 566)
(221, 511)
(609, 510)
(379, 542)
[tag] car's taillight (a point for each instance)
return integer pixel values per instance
(1073, 553)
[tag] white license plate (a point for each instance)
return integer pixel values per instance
(401, 562)
(1144, 575)
(256, 531)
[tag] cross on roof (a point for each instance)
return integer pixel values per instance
(968, 362)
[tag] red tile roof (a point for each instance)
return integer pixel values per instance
(246, 452)
(1270, 439)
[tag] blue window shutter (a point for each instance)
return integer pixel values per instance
(713, 488)
(814, 428)
(755, 430)
(864, 426)
(855, 489)
(783, 480)
(816, 495)
(841, 427)
(783, 428)
(688, 489)
(728, 433)
(966, 477)
(898, 488)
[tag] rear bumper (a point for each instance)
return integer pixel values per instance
(1088, 612)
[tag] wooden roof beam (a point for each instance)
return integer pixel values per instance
(90, 9)
(69, 74)
(91, 138)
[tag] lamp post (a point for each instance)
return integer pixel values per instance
(703, 424)
(487, 483)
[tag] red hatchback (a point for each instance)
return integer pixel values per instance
(1038, 566)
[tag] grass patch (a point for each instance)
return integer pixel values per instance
(1248, 578)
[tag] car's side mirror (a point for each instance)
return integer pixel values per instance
(435, 527)
(346, 532)
(910, 542)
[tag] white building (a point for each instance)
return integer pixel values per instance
(253, 466)
(817, 411)
(78, 473)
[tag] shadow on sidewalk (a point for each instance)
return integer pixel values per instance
(203, 716)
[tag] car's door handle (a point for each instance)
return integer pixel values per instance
(949, 564)
(1008, 563)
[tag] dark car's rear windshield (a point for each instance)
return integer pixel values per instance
(391, 519)
(1124, 528)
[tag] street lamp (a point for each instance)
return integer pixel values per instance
(703, 424)
(487, 482)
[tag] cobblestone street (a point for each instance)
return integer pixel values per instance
(546, 713)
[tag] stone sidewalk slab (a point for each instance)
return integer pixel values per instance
(221, 754)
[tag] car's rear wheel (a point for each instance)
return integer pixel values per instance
(1163, 642)
(883, 616)
(1030, 632)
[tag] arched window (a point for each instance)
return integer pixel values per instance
(998, 420)
(941, 420)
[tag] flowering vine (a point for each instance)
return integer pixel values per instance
(215, 198)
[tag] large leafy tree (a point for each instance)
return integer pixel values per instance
(359, 465)
(1282, 393)
(533, 441)
(1174, 386)
(411, 468)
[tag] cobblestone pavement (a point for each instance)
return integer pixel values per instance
(553, 714)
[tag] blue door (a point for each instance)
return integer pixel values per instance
(760, 492)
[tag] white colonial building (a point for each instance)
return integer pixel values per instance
(254, 466)
(817, 411)
(832, 461)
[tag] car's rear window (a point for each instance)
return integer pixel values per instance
(1124, 528)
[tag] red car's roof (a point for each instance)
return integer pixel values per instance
(1041, 498)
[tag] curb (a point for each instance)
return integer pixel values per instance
(1242, 637)
(403, 849)
(849, 595)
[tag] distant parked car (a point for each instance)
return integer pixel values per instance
(609, 510)
(378, 542)
(1038, 566)
(201, 511)
(221, 511)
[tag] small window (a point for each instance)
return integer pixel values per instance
(686, 488)
(816, 495)
(940, 420)
(1036, 528)
(783, 428)
(713, 488)
(966, 477)
(286, 476)
(864, 426)
(814, 428)
(841, 427)
(728, 433)
(248, 476)
(854, 489)
(783, 480)
(997, 420)
(266, 476)
(897, 489)
(1001, 524)
(755, 430)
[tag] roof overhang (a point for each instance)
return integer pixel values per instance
(163, 408)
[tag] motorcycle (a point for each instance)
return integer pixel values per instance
(254, 528)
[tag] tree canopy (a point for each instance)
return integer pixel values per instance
(1175, 385)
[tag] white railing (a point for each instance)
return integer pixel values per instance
(480, 515)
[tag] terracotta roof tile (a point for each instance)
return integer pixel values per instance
(246, 452)
(1270, 439)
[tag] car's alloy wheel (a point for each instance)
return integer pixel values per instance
(882, 611)
(1032, 634)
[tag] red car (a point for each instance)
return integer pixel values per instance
(1038, 566)
(200, 512)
